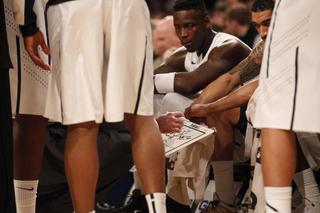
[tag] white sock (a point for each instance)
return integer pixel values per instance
(278, 199)
(307, 185)
(26, 194)
(138, 182)
(223, 177)
(156, 202)
(308, 188)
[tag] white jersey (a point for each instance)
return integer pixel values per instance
(193, 61)
(290, 72)
(28, 82)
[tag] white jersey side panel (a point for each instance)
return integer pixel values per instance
(28, 82)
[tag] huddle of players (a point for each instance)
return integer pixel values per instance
(209, 54)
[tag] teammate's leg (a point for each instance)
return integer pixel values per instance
(223, 153)
(29, 133)
(7, 203)
(278, 157)
(82, 164)
(148, 156)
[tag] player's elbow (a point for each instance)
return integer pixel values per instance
(230, 81)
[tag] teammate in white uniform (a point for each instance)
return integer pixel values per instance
(205, 56)
(28, 85)
(99, 71)
(224, 113)
(287, 102)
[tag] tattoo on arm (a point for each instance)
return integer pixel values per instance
(249, 67)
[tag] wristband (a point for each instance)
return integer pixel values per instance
(164, 83)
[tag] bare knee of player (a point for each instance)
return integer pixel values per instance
(31, 121)
(224, 139)
(213, 119)
(83, 127)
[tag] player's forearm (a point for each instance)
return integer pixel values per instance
(235, 99)
(217, 89)
(161, 69)
(246, 70)
(188, 83)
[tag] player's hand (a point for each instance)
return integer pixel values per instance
(31, 44)
(170, 122)
(197, 111)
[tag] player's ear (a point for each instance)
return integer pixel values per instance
(207, 23)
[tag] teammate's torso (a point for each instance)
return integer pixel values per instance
(193, 61)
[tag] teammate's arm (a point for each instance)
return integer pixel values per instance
(235, 99)
(33, 37)
(175, 63)
(220, 60)
(31, 44)
(244, 71)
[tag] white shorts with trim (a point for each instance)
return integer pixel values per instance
(28, 82)
(309, 142)
(102, 61)
(290, 74)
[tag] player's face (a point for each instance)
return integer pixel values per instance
(261, 20)
(191, 27)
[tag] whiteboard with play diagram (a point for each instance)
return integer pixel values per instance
(190, 133)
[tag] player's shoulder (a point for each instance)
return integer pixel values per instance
(222, 37)
(226, 42)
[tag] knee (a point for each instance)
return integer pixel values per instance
(217, 118)
(175, 102)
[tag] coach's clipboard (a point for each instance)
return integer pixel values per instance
(190, 133)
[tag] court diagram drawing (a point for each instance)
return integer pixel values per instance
(190, 133)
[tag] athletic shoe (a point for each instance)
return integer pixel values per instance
(175, 207)
(136, 204)
(217, 206)
(105, 207)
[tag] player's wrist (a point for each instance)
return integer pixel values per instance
(164, 83)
